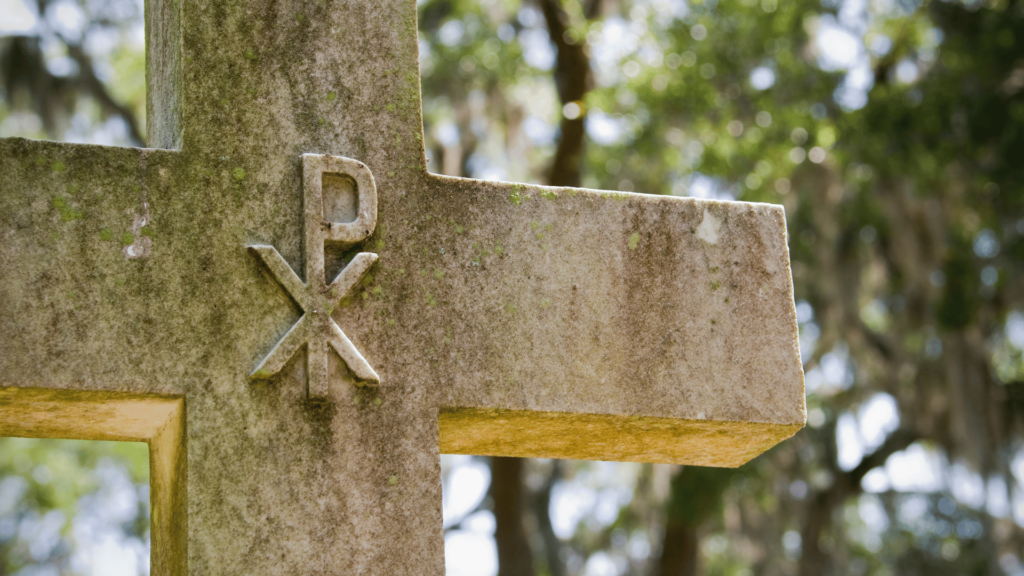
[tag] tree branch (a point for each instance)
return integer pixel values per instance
(542, 510)
(92, 84)
(572, 81)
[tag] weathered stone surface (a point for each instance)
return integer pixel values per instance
(521, 320)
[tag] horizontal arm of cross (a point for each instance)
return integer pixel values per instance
(566, 311)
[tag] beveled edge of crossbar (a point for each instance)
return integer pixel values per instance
(529, 434)
(526, 189)
(157, 420)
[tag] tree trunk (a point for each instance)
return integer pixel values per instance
(541, 510)
(679, 550)
(573, 81)
(514, 555)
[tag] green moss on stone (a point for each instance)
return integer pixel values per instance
(127, 238)
(634, 240)
(517, 197)
(58, 166)
(67, 212)
(238, 174)
(106, 235)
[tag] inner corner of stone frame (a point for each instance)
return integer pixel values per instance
(157, 420)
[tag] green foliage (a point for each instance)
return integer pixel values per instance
(41, 477)
(905, 208)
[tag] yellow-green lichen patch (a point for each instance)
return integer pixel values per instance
(549, 194)
(393, 480)
(238, 174)
(127, 238)
(58, 166)
(634, 240)
(377, 401)
(438, 273)
(249, 54)
(715, 285)
(545, 303)
(332, 96)
(67, 212)
(106, 235)
(147, 231)
(431, 301)
(517, 197)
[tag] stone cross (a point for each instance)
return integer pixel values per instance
(295, 424)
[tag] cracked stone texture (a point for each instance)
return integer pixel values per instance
(502, 319)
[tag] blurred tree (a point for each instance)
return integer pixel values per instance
(75, 71)
(73, 507)
(891, 132)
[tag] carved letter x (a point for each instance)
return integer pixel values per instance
(316, 329)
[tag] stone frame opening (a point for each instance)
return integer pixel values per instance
(157, 420)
